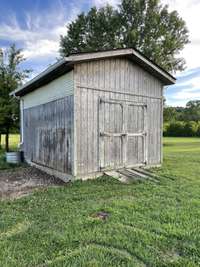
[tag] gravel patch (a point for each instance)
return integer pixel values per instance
(19, 182)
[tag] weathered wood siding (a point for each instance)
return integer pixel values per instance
(118, 79)
(48, 134)
(47, 117)
(61, 121)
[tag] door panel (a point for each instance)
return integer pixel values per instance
(112, 144)
(122, 134)
(110, 131)
(135, 144)
(135, 151)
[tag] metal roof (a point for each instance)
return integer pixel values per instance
(67, 64)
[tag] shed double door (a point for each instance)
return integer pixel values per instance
(122, 134)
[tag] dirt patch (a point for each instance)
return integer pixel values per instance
(22, 181)
(102, 215)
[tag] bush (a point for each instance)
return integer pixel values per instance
(165, 128)
(198, 129)
(190, 128)
(175, 129)
(181, 129)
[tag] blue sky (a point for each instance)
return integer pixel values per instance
(36, 27)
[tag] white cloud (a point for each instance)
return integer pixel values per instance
(191, 92)
(188, 89)
(41, 48)
(41, 34)
(189, 11)
(100, 3)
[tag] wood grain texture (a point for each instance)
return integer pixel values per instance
(65, 134)
(121, 80)
(48, 132)
(119, 75)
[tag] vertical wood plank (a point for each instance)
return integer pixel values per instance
(45, 127)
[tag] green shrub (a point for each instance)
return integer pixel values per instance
(190, 128)
(165, 128)
(175, 129)
(181, 129)
(198, 129)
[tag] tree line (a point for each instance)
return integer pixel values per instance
(182, 121)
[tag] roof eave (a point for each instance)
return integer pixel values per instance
(157, 71)
(44, 77)
(130, 53)
(67, 63)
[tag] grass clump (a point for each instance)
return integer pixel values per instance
(149, 224)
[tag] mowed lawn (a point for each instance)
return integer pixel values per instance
(149, 224)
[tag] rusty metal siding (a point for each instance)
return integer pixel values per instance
(48, 134)
(118, 79)
(58, 88)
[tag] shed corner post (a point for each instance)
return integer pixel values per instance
(146, 133)
(161, 128)
(100, 136)
(21, 121)
(74, 132)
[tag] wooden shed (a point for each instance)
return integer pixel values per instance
(92, 112)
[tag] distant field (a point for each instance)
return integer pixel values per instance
(148, 224)
(14, 140)
(182, 157)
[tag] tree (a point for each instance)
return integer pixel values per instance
(169, 114)
(91, 32)
(192, 110)
(145, 25)
(11, 76)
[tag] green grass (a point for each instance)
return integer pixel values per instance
(149, 224)
(14, 140)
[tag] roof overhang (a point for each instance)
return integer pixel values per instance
(48, 75)
(67, 64)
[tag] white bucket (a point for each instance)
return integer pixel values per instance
(14, 157)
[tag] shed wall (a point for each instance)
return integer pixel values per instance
(56, 89)
(47, 124)
(118, 79)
